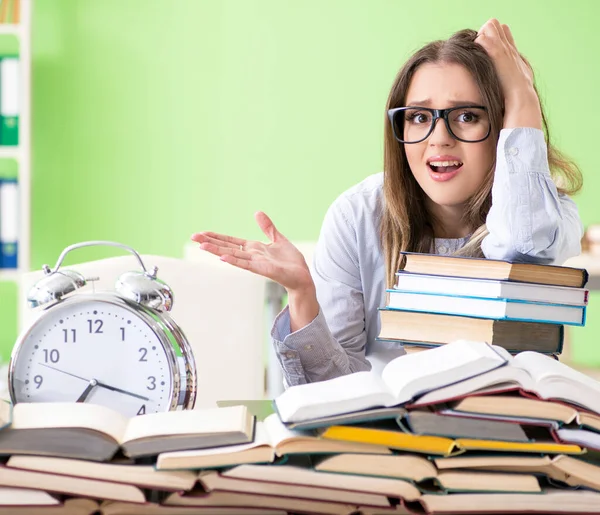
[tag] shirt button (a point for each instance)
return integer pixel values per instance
(442, 249)
(308, 347)
(290, 354)
(513, 151)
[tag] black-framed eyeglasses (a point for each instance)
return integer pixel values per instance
(470, 124)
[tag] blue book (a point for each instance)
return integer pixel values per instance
(9, 223)
(491, 308)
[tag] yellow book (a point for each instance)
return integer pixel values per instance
(439, 445)
(393, 439)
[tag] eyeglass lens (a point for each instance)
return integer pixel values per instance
(466, 123)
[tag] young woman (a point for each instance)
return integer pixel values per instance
(468, 170)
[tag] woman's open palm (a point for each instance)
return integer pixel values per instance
(278, 260)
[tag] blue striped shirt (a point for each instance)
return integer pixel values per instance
(528, 221)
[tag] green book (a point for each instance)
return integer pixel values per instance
(9, 101)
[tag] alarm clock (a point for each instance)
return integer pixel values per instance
(117, 348)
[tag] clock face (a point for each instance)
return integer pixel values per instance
(94, 351)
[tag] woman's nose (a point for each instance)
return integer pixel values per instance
(440, 134)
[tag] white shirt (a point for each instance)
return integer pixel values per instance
(529, 221)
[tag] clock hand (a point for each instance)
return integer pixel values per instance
(98, 383)
(64, 372)
(88, 389)
(115, 389)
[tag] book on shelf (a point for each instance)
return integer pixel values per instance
(490, 289)
(421, 472)
(95, 432)
(498, 309)
(522, 409)
(441, 445)
(481, 268)
(9, 100)
(532, 374)
(428, 330)
(272, 439)
(10, 11)
(572, 471)
(9, 222)
(401, 380)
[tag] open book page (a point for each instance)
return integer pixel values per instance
(223, 455)
(413, 374)
(277, 433)
(41, 415)
(556, 380)
(352, 392)
(188, 422)
(502, 378)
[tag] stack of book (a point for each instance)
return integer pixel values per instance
(518, 306)
(463, 428)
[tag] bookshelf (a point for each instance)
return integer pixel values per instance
(21, 153)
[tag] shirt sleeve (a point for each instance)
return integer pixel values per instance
(334, 343)
(529, 221)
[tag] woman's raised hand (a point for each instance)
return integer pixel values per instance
(278, 260)
(522, 105)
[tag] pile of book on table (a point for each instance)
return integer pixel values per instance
(518, 306)
(462, 428)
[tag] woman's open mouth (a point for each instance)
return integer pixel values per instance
(441, 171)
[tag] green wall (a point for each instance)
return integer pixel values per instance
(154, 119)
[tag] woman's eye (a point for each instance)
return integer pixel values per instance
(467, 117)
(418, 118)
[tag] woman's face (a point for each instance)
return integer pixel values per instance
(441, 86)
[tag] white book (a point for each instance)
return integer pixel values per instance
(497, 309)
(9, 223)
(489, 288)
(9, 86)
(532, 372)
(402, 380)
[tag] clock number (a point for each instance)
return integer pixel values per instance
(73, 335)
(144, 351)
(152, 380)
(53, 355)
(38, 380)
(122, 334)
(142, 410)
(98, 323)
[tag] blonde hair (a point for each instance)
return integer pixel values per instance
(406, 225)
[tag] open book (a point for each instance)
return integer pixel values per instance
(530, 372)
(402, 380)
(272, 439)
(520, 409)
(424, 475)
(95, 432)
(142, 476)
(567, 469)
(550, 501)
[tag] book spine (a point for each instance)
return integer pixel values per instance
(9, 223)
(9, 101)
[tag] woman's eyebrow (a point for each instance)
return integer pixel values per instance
(452, 103)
